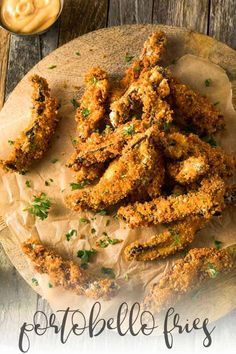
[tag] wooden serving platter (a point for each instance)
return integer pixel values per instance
(107, 48)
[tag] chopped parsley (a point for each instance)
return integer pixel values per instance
(218, 244)
(174, 61)
(94, 80)
(70, 234)
(166, 126)
(216, 103)
(103, 212)
(212, 271)
(84, 220)
(40, 206)
(78, 53)
(80, 185)
(75, 103)
(93, 231)
(207, 82)
(85, 112)
(108, 271)
(11, 142)
(74, 141)
(54, 160)
(50, 285)
(108, 222)
(48, 182)
(106, 241)
(130, 130)
(137, 69)
(52, 67)
(35, 281)
(27, 183)
(126, 277)
(210, 140)
(128, 58)
(85, 255)
(176, 236)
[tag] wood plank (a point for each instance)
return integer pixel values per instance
(187, 13)
(79, 17)
(24, 54)
(223, 21)
(49, 40)
(4, 49)
(123, 12)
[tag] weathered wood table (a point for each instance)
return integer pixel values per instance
(17, 55)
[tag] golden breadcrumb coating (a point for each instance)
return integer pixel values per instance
(99, 148)
(93, 102)
(34, 140)
(176, 237)
(153, 50)
(67, 274)
(123, 176)
(188, 274)
(90, 173)
(194, 109)
(206, 201)
(149, 92)
(189, 170)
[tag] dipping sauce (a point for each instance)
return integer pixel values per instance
(29, 16)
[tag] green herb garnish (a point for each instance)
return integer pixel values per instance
(78, 53)
(11, 142)
(80, 185)
(166, 126)
(210, 140)
(75, 103)
(128, 58)
(85, 112)
(70, 234)
(85, 255)
(126, 277)
(48, 182)
(94, 80)
(40, 206)
(207, 82)
(106, 241)
(108, 271)
(84, 220)
(174, 61)
(130, 130)
(103, 212)
(35, 281)
(212, 271)
(54, 160)
(216, 103)
(108, 222)
(27, 183)
(176, 236)
(93, 231)
(50, 285)
(218, 244)
(52, 67)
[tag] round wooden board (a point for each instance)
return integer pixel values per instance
(107, 48)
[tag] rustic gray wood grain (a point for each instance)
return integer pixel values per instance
(79, 17)
(123, 12)
(223, 21)
(187, 13)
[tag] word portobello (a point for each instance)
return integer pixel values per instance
(127, 320)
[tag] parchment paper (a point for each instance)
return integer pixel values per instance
(15, 197)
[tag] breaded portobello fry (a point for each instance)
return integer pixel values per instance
(67, 274)
(176, 237)
(189, 170)
(188, 274)
(34, 140)
(194, 109)
(93, 102)
(99, 148)
(179, 146)
(206, 201)
(123, 176)
(153, 50)
(149, 91)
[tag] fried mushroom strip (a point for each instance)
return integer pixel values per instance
(92, 104)
(206, 201)
(148, 91)
(99, 148)
(34, 140)
(123, 176)
(176, 237)
(179, 146)
(194, 109)
(189, 170)
(67, 274)
(153, 50)
(188, 274)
